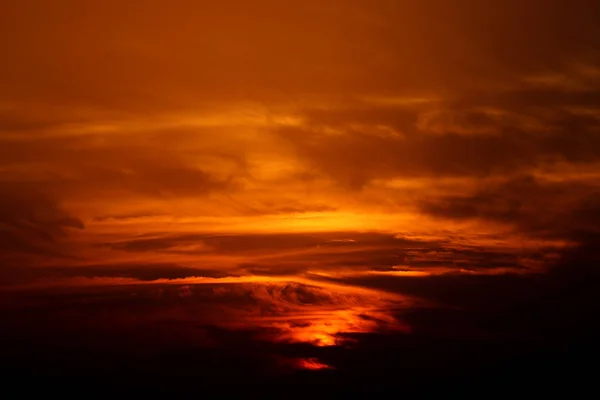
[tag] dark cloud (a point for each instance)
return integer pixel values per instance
(493, 134)
(248, 243)
(114, 166)
(31, 224)
(285, 312)
(149, 272)
(92, 332)
(569, 208)
(289, 254)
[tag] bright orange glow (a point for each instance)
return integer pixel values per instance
(311, 364)
(326, 327)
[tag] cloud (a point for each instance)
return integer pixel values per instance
(286, 253)
(506, 131)
(141, 272)
(115, 166)
(517, 202)
(281, 311)
(268, 243)
(193, 335)
(301, 49)
(422, 91)
(32, 224)
(261, 180)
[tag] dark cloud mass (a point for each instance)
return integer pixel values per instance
(569, 209)
(31, 223)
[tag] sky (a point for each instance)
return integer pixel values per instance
(312, 170)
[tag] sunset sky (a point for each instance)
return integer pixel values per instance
(309, 168)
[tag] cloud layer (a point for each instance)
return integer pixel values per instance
(288, 175)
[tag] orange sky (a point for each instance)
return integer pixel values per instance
(331, 138)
